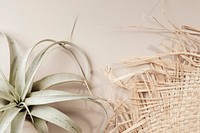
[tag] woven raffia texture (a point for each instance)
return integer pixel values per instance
(165, 97)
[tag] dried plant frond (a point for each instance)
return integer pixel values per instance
(165, 96)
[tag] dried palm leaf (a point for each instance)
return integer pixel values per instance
(165, 96)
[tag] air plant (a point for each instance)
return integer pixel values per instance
(23, 98)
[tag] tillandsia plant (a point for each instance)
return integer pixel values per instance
(23, 98)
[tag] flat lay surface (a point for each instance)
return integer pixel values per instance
(103, 30)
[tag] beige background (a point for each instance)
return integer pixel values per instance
(97, 32)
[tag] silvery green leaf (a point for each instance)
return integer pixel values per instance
(40, 125)
(6, 87)
(8, 106)
(14, 58)
(52, 96)
(4, 91)
(18, 122)
(42, 55)
(50, 93)
(8, 129)
(7, 117)
(34, 67)
(37, 59)
(21, 71)
(55, 79)
(56, 117)
(103, 126)
(5, 96)
(77, 52)
(20, 75)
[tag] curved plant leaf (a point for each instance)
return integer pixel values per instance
(20, 75)
(15, 57)
(36, 65)
(59, 118)
(8, 129)
(18, 122)
(76, 51)
(7, 117)
(21, 71)
(7, 87)
(30, 74)
(55, 79)
(40, 125)
(50, 93)
(6, 96)
(4, 87)
(42, 55)
(52, 96)
(8, 106)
